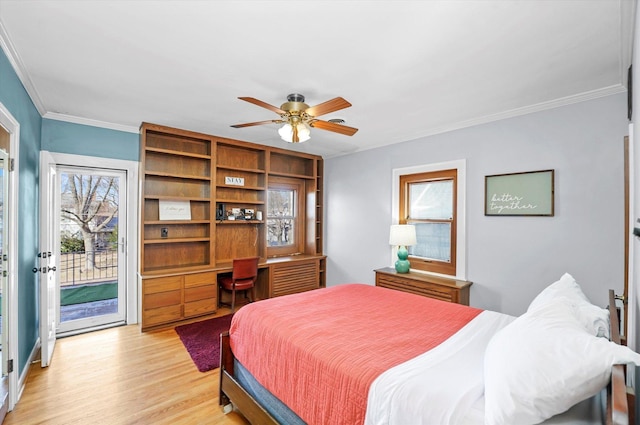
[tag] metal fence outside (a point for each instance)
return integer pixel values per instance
(74, 270)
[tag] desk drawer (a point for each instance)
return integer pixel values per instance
(162, 284)
(200, 279)
(198, 308)
(200, 293)
(161, 315)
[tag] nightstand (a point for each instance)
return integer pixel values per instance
(441, 288)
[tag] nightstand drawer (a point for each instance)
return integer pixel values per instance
(451, 290)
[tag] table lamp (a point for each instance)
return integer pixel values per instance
(402, 235)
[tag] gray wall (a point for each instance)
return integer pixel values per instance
(509, 259)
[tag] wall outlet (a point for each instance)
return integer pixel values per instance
(164, 232)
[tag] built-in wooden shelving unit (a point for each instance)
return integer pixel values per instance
(211, 177)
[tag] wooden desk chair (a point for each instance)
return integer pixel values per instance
(243, 278)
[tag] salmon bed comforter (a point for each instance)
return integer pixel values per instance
(319, 351)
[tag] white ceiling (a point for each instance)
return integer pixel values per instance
(410, 68)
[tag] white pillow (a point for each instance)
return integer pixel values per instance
(595, 319)
(543, 363)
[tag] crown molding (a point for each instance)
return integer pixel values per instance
(18, 67)
(90, 122)
(530, 109)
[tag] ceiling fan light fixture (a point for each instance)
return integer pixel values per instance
(286, 132)
(298, 117)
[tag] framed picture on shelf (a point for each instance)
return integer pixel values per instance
(174, 210)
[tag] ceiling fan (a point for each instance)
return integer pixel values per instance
(298, 117)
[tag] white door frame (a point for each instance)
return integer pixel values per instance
(47, 260)
(13, 127)
(131, 237)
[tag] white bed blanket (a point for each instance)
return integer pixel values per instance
(439, 386)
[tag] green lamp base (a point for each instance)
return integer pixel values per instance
(402, 265)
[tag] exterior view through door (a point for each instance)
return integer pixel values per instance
(92, 226)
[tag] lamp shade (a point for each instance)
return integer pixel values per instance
(402, 235)
(286, 132)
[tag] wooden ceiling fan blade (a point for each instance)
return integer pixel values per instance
(331, 126)
(326, 107)
(250, 124)
(263, 104)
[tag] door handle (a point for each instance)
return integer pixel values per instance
(43, 269)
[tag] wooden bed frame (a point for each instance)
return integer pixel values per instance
(619, 402)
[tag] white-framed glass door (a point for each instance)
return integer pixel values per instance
(91, 221)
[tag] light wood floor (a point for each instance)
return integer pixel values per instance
(121, 376)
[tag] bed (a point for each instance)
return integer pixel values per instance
(359, 354)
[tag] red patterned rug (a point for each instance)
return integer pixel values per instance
(202, 341)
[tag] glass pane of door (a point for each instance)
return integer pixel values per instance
(91, 282)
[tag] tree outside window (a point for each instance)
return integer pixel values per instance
(280, 217)
(285, 216)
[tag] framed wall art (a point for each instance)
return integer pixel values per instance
(519, 194)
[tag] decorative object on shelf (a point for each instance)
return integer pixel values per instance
(259, 215)
(234, 181)
(220, 211)
(402, 235)
(298, 117)
(237, 214)
(248, 213)
(516, 194)
(174, 210)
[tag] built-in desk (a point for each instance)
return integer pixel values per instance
(169, 299)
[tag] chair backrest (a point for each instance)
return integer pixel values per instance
(245, 268)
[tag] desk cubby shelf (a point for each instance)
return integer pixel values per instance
(177, 153)
(177, 175)
(296, 176)
(223, 186)
(236, 222)
(238, 202)
(242, 169)
(175, 240)
(160, 222)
